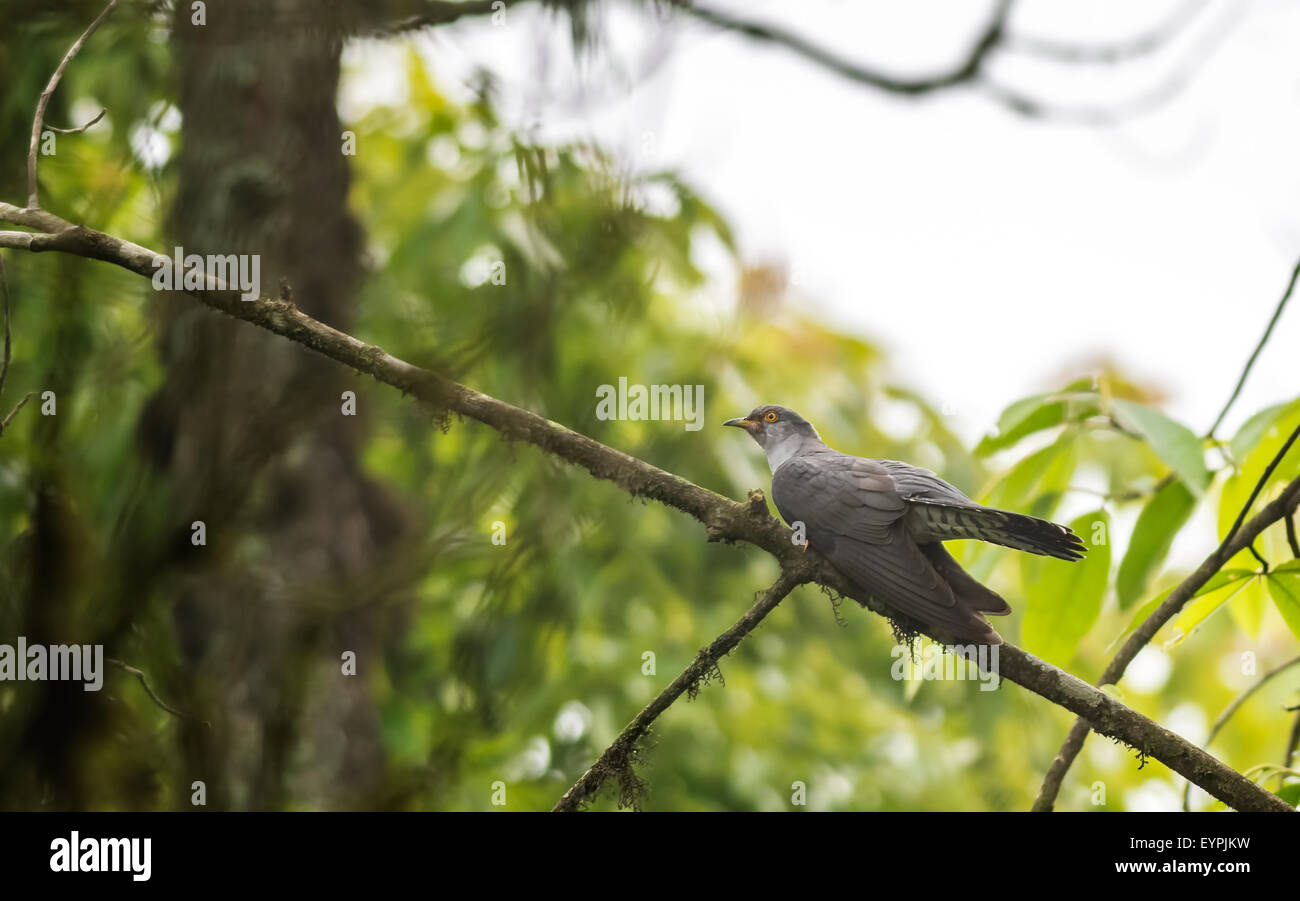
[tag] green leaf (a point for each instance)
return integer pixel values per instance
(1038, 412)
(1207, 601)
(1024, 482)
(1067, 596)
(1218, 580)
(1039, 477)
(1248, 606)
(1290, 793)
(1140, 617)
(1156, 527)
(1174, 443)
(1256, 427)
(1024, 417)
(1284, 586)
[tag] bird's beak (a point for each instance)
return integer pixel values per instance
(745, 424)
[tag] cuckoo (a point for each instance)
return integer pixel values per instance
(882, 524)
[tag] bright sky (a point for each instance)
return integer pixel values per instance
(985, 251)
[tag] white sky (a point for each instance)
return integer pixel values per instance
(986, 252)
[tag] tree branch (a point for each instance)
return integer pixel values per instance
(153, 696)
(967, 70)
(1239, 537)
(1222, 719)
(970, 70)
(996, 36)
(1074, 740)
(33, 198)
(724, 519)
(616, 761)
(1111, 718)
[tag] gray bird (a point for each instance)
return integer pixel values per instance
(882, 524)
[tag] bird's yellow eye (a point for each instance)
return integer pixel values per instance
(770, 416)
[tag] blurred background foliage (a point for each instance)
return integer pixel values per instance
(537, 274)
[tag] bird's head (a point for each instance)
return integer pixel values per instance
(772, 425)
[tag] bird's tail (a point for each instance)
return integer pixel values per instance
(1037, 536)
(1014, 530)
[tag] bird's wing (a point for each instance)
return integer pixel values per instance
(939, 512)
(849, 496)
(854, 514)
(917, 484)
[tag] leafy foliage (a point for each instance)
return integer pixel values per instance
(1162, 517)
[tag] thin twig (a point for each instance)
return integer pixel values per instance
(79, 129)
(1131, 494)
(1119, 51)
(1277, 314)
(1174, 84)
(1222, 719)
(33, 199)
(616, 761)
(1259, 486)
(4, 423)
(1266, 771)
(1290, 537)
(1254, 552)
(152, 694)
